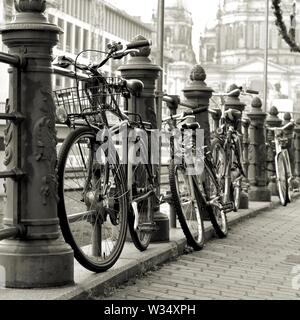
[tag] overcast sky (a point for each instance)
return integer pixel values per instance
(203, 12)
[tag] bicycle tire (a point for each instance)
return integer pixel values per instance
(217, 216)
(106, 224)
(282, 178)
(219, 158)
(195, 237)
(141, 239)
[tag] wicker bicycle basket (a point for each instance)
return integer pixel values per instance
(79, 101)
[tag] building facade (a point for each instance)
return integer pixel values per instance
(233, 51)
(86, 24)
(178, 37)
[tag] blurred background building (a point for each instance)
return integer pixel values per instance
(232, 50)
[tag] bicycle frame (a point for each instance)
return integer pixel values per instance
(233, 149)
(279, 149)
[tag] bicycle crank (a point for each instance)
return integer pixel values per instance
(228, 207)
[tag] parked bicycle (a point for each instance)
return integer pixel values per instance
(227, 149)
(197, 193)
(283, 170)
(96, 187)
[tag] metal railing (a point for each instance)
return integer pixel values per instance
(14, 117)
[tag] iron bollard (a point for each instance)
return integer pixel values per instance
(297, 151)
(140, 67)
(245, 123)
(246, 142)
(39, 257)
(272, 121)
(197, 93)
(234, 102)
(257, 154)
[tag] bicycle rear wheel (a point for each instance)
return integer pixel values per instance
(188, 203)
(282, 178)
(92, 205)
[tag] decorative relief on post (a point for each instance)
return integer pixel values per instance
(45, 140)
(45, 145)
(49, 188)
(8, 134)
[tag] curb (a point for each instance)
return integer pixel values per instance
(101, 285)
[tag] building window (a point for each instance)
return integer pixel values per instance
(77, 39)
(241, 36)
(85, 41)
(61, 25)
(256, 36)
(69, 37)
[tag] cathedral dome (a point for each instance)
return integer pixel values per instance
(179, 4)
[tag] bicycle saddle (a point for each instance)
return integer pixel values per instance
(135, 86)
(191, 126)
(233, 114)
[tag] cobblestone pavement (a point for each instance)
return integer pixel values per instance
(260, 259)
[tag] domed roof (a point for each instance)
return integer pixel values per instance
(176, 4)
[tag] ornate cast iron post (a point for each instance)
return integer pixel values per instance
(272, 121)
(289, 134)
(140, 67)
(198, 94)
(257, 154)
(246, 142)
(235, 103)
(297, 150)
(245, 131)
(39, 258)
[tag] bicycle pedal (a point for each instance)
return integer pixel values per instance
(136, 215)
(148, 227)
(228, 207)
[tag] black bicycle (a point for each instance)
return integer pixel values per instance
(100, 185)
(197, 192)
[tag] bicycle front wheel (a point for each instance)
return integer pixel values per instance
(282, 178)
(216, 211)
(141, 220)
(188, 204)
(92, 205)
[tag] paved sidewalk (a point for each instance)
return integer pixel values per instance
(260, 259)
(132, 263)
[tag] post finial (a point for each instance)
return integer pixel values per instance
(30, 5)
(144, 51)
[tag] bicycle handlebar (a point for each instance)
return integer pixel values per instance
(195, 111)
(139, 44)
(115, 52)
(249, 91)
(227, 94)
(176, 101)
(291, 123)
